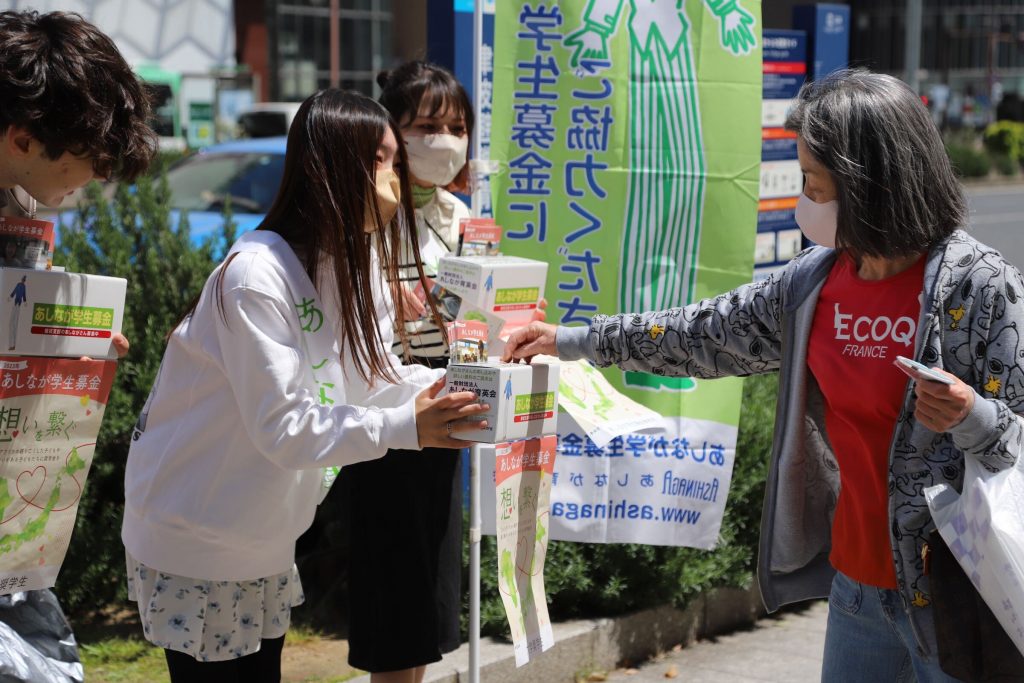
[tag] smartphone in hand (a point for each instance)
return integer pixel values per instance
(915, 370)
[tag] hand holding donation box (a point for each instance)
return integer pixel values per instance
(51, 401)
(523, 399)
(54, 313)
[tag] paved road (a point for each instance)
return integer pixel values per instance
(783, 649)
(997, 219)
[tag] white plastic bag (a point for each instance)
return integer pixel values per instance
(984, 528)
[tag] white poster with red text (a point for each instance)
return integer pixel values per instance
(50, 415)
(523, 472)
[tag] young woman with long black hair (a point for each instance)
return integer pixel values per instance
(280, 369)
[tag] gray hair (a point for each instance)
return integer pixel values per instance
(897, 192)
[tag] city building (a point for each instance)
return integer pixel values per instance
(972, 52)
(287, 43)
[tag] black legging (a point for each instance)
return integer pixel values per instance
(259, 667)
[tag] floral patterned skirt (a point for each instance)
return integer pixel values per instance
(212, 620)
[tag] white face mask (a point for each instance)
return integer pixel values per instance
(818, 222)
(436, 159)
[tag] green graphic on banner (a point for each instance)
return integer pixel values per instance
(628, 136)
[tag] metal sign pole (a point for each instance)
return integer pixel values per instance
(474, 452)
(474, 564)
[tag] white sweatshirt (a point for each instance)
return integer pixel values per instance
(223, 473)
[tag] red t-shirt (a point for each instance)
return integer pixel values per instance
(860, 326)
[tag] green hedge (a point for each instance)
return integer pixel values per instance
(1005, 165)
(1006, 139)
(967, 161)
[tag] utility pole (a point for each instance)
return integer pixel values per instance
(335, 45)
(913, 45)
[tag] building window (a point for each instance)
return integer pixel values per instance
(303, 45)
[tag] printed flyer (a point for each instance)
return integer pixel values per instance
(601, 411)
(522, 489)
(26, 243)
(50, 415)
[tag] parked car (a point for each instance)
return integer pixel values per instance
(246, 171)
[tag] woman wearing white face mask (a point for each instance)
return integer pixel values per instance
(435, 116)
(856, 441)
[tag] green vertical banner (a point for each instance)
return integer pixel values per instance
(628, 139)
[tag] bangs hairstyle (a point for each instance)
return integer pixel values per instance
(65, 82)
(897, 192)
(327, 193)
(421, 86)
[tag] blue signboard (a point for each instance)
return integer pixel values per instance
(828, 36)
(785, 58)
(785, 69)
(778, 149)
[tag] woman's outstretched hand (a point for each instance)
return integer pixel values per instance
(438, 419)
(535, 339)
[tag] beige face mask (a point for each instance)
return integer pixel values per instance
(388, 195)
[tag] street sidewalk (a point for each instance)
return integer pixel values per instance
(785, 648)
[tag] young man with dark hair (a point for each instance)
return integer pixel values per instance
(71, 110)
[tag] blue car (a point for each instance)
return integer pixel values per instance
(246, 171)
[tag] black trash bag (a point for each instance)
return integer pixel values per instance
(36, 641)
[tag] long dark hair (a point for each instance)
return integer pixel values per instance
(327, 192)
(898, 194)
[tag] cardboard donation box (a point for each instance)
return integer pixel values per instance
(523, 399)
(51, 313)
(506, 287)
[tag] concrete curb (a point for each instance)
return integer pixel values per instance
(588, 645)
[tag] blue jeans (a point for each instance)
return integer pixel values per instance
(869, 638)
